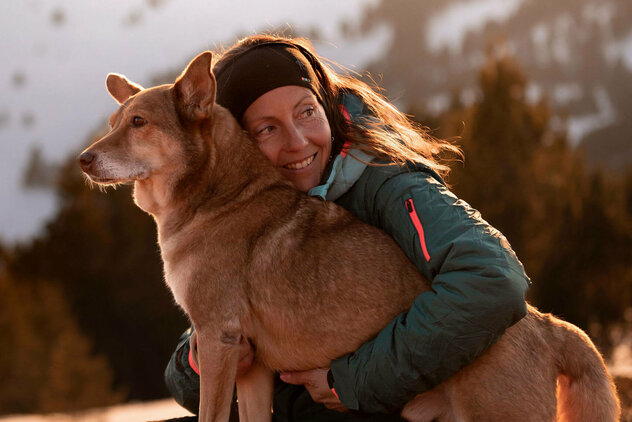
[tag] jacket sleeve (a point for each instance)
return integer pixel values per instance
(181, 380)
(478, 289)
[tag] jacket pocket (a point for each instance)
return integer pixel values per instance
(414, 218)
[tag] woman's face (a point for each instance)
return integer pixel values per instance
(290, 127)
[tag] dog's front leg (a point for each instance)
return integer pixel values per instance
(255, 390)
(218, 354)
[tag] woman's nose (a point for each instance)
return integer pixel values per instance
(296, 139)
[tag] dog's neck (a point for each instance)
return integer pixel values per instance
(222, 172)
(152, 195)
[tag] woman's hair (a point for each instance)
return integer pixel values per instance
(387, 134)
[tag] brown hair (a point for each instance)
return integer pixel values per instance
(388, 134)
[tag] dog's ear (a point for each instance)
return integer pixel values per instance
(195, 88)
(120, 88)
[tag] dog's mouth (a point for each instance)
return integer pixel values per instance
(104, 180)
(116, 181)
(300, 165)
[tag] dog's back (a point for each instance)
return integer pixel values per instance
(320, 272)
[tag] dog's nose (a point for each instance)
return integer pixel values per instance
(85, 159)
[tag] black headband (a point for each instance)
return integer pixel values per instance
(250, 74)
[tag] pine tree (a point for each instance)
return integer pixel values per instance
(38, 173)
(585, 276)
(502, 134)
(46, 363)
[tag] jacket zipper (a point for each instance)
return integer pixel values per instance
(410, 207)
(347, 116)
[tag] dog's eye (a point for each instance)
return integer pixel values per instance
(138, 121)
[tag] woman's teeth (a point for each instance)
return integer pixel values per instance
(301, 164)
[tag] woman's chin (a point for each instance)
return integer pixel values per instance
(303, 180)
(303, 185)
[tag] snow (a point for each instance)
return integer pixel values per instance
(567, 92)
(448, 28)
(621, 50)
(562, 28)
(579, 126)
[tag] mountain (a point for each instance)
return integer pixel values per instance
(577, 55)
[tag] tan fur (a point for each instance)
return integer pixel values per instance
(248, 256)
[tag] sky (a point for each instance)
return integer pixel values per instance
(56, 55)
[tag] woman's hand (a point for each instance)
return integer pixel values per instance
(315, 381)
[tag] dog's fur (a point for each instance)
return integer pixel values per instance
(249, 257)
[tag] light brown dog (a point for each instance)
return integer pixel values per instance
(249, 257)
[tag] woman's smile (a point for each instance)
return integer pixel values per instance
(300, 165)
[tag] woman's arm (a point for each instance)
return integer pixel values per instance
(478, 288)
(181, 379)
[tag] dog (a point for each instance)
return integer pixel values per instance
(244, 255)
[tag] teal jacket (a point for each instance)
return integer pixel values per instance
(478, 288)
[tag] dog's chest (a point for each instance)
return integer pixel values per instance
(194, 266)
(179, 277)
(179, 269)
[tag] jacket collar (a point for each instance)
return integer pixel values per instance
(349, 165)
(346, 169)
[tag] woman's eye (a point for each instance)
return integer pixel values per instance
(138, 121)
(308, 112)
(266, 130)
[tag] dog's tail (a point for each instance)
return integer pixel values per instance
(585, 390)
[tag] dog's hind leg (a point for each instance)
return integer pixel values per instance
(254, 394)
(218, 355)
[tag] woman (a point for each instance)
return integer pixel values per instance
(336, 138)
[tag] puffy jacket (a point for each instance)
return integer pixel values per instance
(478, 289)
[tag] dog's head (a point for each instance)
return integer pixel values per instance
(154, 130)
(158, 137)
